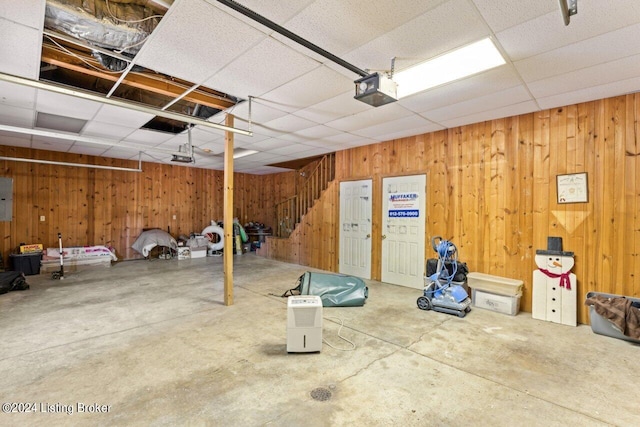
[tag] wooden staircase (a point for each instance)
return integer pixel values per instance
(290, 211)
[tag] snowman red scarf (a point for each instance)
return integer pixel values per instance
(564, 278)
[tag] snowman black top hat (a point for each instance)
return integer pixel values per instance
(554, 247)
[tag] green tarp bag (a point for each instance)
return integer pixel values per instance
(335, 290)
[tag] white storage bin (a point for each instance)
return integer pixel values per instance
(507, 304)
(198, 252)
(494, 284)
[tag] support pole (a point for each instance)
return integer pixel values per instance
(228, 213)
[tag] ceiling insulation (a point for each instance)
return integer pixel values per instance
(105, 23)
(91, 44)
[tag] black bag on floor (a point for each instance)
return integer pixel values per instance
(461, 269)
(12, 281)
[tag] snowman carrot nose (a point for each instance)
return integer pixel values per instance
(556, 264)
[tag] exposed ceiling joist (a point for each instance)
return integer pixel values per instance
(53, 56)
(118, 103)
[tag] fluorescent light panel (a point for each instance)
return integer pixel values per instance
(238, 152)
(458, 64)
(242, 152)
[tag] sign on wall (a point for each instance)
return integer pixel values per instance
(404, 205)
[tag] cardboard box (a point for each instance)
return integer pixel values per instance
(27, 249)
(501, 303)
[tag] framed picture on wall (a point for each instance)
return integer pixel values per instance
(572, 188)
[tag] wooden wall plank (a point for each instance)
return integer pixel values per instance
(491, 189)
(492, 186)
(111, 208)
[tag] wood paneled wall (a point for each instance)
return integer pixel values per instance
(491, 189)
(314, 240)
(104, 207)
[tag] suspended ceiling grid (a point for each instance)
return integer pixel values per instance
(303, 103)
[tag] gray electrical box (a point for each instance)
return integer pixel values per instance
(6, 199)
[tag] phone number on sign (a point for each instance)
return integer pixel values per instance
(404, 214)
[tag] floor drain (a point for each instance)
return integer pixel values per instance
(320, 394)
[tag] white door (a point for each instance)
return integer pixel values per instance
(355, 228)
(403, 228)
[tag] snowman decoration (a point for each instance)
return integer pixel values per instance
(554, 285)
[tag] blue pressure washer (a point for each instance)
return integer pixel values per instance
(441, 292)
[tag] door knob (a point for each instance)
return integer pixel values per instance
(368, 236)
(384, 236)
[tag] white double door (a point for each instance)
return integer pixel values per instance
(403, 229)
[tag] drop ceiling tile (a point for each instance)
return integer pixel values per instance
(548, 32)
(59, 123)
(244, 140)
(339, 26)
(334, 108)
(212, 148)
(278, 12)
(403, 125)
(360, 141)
(345, 138)
(370, 117)
(199, 135)
(264, 157)
(311, 134)
(289, 123)
(316, 151)
(122, 116)
(481, 84)
(314, 87)
(17, 95)
(586, 53)
(150, 137)
(65, 105)
(498, 113)
(20, 48)
(452, 24)
(14, 116)
(597, 75)
(291, 149)
(477, 105)
(29, 13)
(53, 144)
(590, 93)
(269, 144)
(195, 40)
(327, 144)
(503, 14)
(261, 112)
(123, 153)
(174, 143)
(411, 132)
(11, 139)
(261, 130)
(88, 149)
(108, 131)
(260, 69)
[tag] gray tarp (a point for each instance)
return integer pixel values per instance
(151, 238)
(335, 290)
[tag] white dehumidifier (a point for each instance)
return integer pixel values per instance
(304, 324)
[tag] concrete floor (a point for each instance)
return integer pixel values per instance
(153, 341)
